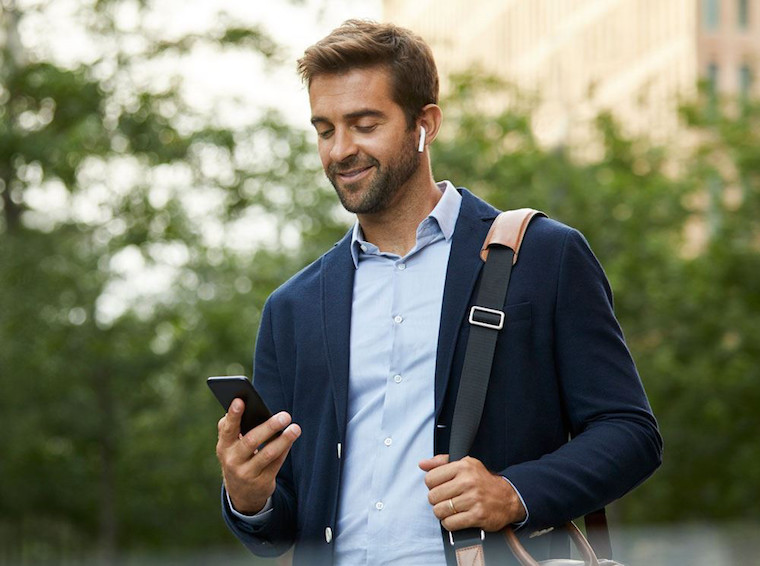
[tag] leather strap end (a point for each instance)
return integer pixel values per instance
(470, 556)
(508, 230)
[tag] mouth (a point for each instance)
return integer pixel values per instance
(354, 174)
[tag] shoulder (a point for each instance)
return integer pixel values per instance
(550, 244)
(559, 253)
(546, 231)
(546, 236)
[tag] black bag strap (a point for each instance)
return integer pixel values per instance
(499, 252)
(486, 320)
(487, 317)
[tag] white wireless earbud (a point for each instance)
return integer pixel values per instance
(421, 147)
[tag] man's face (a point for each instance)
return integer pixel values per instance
(367, 151)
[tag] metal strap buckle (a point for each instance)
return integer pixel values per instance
(451, 536)
(484, 324)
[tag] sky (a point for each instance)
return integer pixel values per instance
(293, 25)
(50, 26)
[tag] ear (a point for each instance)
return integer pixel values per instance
(430, 118)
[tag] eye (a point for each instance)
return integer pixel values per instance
(365, 129)
(324, 134)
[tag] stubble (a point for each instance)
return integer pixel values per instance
(384, 184)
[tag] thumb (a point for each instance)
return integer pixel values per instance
(434, 462)
(229, 426)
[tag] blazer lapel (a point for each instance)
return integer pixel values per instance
(462, 273)
(337, 282)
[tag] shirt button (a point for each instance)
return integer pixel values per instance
(379, 505)
(328, 535)
(388, 441)
(364, 248)
(398, 319)
(402, 266)
(397, 378)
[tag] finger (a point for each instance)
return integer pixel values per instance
(432, 463)
(449, 507)
(459, 521)
(274, 466)
(466, 513)
(442, 474)
(260, 434)
(442, 493)
(465, 473)
(273, 453)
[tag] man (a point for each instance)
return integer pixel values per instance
(364, 350)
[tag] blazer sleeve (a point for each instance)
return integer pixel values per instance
(277, 534)
(615, 443)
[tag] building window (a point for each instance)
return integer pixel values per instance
(745, 81)
(711, 14)
(743, 14)
(711, 88)
(713, 72)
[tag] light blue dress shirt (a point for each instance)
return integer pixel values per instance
(384, 516)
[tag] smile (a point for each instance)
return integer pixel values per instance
(354, 174)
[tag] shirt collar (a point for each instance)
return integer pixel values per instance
(445, 213)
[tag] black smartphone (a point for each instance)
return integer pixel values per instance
(230, 387)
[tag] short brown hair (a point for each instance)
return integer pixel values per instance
(361, 44)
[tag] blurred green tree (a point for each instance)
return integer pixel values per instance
(140, 236)
(708, 361)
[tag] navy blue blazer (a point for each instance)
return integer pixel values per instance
(561, 370)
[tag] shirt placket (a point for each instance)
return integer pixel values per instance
(387, 456)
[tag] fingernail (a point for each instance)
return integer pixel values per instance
(235, 407)
(282, 418)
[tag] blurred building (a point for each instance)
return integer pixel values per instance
(636, 58)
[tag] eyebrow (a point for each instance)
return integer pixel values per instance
(364, 112)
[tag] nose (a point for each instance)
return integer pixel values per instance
(343, 145)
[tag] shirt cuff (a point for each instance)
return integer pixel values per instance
(525, 507)
(258, 519)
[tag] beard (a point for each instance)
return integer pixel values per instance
(382, 187)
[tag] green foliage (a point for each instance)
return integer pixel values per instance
(53, 118)
(709, 355)
(109, 429)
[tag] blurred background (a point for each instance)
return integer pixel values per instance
(159, 179)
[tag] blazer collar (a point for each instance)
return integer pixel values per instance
(337, 281)
(475, 219)
(337, 286)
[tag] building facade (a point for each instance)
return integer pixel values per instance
(635, 58)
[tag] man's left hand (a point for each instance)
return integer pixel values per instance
(465, 494)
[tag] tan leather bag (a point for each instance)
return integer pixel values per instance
(583, 546)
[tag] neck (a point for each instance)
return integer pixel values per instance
(394, 230)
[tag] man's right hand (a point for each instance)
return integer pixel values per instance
(249, 469)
